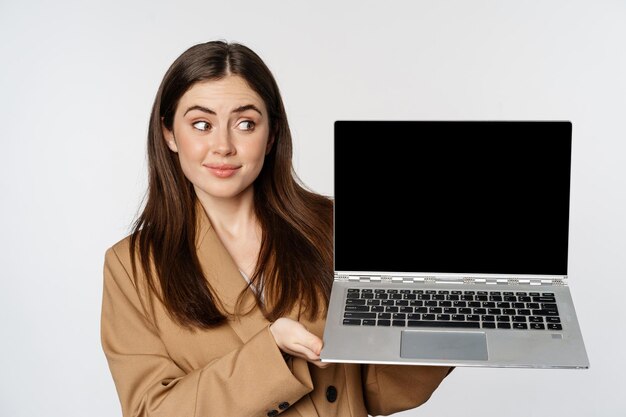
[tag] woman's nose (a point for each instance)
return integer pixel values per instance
(221, 142)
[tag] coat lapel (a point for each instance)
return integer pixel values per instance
(226, 280)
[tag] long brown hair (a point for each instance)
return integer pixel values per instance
(295, 259)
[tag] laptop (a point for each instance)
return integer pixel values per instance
(451, 245)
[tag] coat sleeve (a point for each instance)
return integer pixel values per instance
(248, 381)
(392, 388)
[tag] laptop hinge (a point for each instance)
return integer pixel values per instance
(434, 280)
(514, 281)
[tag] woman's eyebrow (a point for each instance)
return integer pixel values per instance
(237, 110)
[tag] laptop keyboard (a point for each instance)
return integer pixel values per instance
(451, 309)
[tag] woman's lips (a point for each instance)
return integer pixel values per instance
(222, 170)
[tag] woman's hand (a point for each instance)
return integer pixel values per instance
(293, 338)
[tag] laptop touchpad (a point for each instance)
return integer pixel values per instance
(428, 344)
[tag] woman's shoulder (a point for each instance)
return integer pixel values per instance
(120, 250)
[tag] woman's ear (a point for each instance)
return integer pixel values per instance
(168, 135)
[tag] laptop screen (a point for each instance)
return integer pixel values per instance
(481, 197)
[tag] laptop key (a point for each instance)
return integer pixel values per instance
(447, 324)
(504, 325)
(520, 326)
(544, 299)
(546, 312)
(369, 323)
(489, 325)
(349, 315)
(398, 323)
(555, 326)
(384, 322)
(352, 322)
(357, 308)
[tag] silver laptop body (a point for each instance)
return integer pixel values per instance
(451, 245)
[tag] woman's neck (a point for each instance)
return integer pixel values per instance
(236, 224)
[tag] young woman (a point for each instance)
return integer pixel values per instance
(214, 305)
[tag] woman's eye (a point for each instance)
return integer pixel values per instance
(247, 125)
(202, 125)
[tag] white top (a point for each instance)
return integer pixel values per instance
(254, 288)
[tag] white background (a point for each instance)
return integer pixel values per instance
(77, 80)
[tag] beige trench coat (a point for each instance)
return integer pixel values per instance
(162, 369)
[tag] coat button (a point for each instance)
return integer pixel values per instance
(272, 413)
(331, 394)
(283, 406)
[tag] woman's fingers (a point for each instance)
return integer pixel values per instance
(292, 337)
(304, 353)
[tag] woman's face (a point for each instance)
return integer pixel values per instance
(221, 134)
